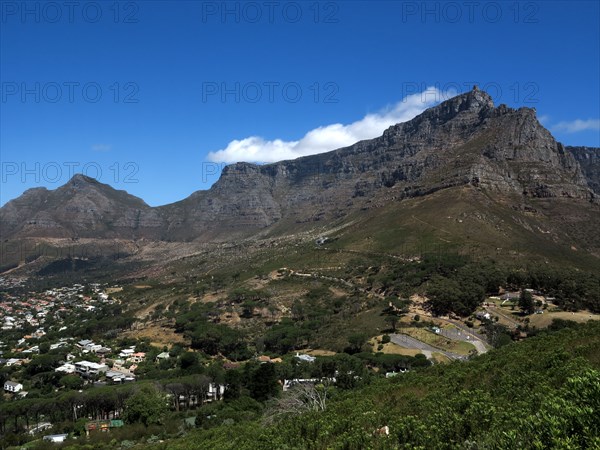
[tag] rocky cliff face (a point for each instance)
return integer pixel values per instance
(465, 140)
(589, 160)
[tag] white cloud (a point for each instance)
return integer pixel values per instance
(329, 137)
(101, 148)
(577, 125)
(544, 119)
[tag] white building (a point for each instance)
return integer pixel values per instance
(215, 391)
(12, 386)
(66, 368)
(162, 356)
(55, 438)
(126, 353)
(306, 358)
(89, 368)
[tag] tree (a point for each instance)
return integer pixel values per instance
(188, 360)
(233, 385)
(147, 406)
(526, 303)
(72, 382)
(351, 371)
(356, 341)
(497, 335)
(263, 382)
(175, 390)
(299, 399)
(443, 295)
(461, 295)
(393, 321)
(217, 338)
(44, 348)
(42, 363)
(199, 386)
(397, 308)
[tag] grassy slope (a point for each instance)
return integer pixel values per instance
(471, 221)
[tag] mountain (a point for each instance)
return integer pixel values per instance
(499, 154)
(589, 160)
(83, 207)
(465, 140)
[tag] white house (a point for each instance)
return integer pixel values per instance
(162, 356)
(119, 377)
(84, 342)
(57, 345)
(89, 368)
(137, 357)
(481, 315)
(55, 438)
(12, 386)
(126, 353)
(287, 384)
(306, 358)
(66, 368)
(40, 427)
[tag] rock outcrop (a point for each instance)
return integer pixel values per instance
(589, 160)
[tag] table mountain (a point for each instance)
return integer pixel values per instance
(464, 141)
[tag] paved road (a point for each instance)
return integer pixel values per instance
(467, 330)
(410, 342)
(461, 334)
(480, 346)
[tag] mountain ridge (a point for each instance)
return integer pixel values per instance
(464, 140)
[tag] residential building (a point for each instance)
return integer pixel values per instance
(12, 386)
(304, 357)
(89, 368)
(56, 438)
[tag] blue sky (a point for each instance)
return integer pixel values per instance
(154, 97)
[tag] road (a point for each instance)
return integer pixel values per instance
(410, 342)
(463, 333)
(498, 311)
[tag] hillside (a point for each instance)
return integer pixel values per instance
(504, 399)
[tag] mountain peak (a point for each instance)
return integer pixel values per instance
(79, 179)
(475, 100)
(468, 109)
